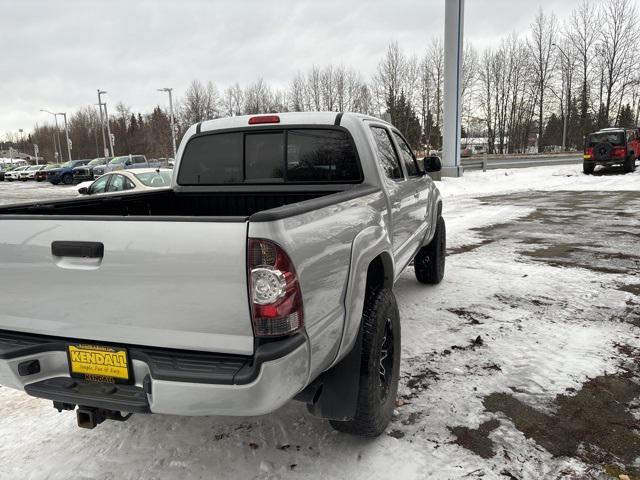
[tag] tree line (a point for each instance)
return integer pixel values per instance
(580, 71)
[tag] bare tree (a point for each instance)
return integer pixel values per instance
(616, 46)
(200, 103)
(543, 36)
(582, 33)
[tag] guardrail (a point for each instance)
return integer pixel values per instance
(484, 163)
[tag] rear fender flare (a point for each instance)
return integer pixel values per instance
(370, 243)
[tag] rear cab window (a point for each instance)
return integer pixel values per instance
(272, 156)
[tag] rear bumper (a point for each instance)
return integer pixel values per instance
(169, 381)
(606, 161)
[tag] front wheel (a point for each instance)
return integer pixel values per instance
(379, 368)
(430, 260)
(67, 179)
(630, 164)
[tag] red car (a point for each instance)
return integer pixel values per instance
(612, 146)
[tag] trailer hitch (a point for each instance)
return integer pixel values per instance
(90, 417)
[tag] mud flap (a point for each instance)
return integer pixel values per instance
(336, 396)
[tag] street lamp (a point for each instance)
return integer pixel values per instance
(171, 120)
(66, 133)
(58, 149)
(106, 114)
(566, 106)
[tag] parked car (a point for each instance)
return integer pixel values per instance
(84, 173)
(64, 174)
(612, 146)
(127, 162)
(30, 172)
(264, 274)
(137, 180)
(41, 175)
(14, 174)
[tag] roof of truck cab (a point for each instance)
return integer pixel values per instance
(286, 118)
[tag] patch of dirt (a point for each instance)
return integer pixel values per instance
(473, 318)
(477, 440)
(594, 425)
(469, 248)
(634, 288)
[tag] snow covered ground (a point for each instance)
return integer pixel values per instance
(540, 296)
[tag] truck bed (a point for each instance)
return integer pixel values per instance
(167, 203)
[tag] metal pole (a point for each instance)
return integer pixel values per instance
(171, 118)
(106, 114)
(173, 127)
(453, 37)
(58, 135)
(104, 140)
(66, 133)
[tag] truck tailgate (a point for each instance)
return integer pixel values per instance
(173, 284)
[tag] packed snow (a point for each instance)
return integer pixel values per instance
(501, 321)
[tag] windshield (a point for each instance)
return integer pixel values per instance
(119, 160)
(67, 165)
(96, 161)
(614, 138)
(51, 167)
(155, 179)
(34, 167)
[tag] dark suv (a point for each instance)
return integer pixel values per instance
(612, 146)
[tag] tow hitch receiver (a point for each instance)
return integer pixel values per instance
(89, 417)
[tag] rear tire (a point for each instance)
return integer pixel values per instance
(630, 164)
(588, 168)
(380, 366)
(430, 260)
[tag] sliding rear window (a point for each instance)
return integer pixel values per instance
(303, 155)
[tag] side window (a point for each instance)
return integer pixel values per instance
(117, 184)
(407, 156)
(100, 185)
(138, 159)
(128, 184)
(386, 153)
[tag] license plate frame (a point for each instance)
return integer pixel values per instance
(99, 363)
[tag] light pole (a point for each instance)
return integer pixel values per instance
(105, 152)
(106, 114)
(66, 133)
(171, 120)
(453, 38)
(566, 102)
(59, 148)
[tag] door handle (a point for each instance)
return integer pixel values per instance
(77, 249)
(416, 195)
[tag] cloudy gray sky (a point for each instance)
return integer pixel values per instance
(55, 54)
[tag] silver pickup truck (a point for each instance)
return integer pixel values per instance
(264, 274)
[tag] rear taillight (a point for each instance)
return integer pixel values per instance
(619, 151)
(274, 290)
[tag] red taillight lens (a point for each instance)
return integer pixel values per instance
(274, 290)
(264, 119)
(619, 151)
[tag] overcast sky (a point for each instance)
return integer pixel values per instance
(55, 54)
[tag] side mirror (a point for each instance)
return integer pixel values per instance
(83, 191)
(432, 164)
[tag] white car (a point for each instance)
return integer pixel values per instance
(30, 172)
(119, 181)
(14, 174)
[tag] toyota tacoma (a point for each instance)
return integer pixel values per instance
(264, 274)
